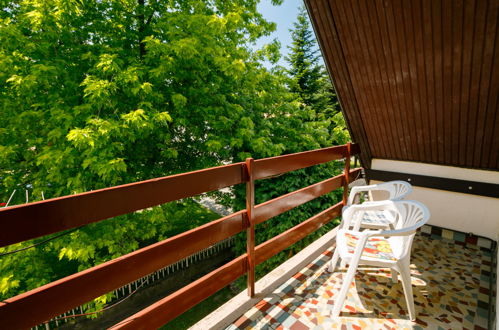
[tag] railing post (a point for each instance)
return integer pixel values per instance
(346, 174)
(250, 231)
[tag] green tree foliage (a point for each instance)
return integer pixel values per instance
(316, 110)
(308, 78)
(100, 93)
(104, 92)
(305, 71)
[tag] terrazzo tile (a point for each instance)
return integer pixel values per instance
(460, 237)
(426, 229)
(483, 242)
(451, 286)
(448, 234)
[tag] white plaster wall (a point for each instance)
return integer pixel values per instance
(463, 212)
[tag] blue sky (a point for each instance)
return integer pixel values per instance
(284, 16)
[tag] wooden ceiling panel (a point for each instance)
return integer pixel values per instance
(417, 80)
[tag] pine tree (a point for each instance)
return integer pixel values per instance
(308, 77)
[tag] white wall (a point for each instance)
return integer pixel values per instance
(463, 212)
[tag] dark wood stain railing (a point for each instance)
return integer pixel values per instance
(28, 221)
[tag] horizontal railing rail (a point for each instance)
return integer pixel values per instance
(269, 167)
(57, 297)
(289, 201)
(23, 222)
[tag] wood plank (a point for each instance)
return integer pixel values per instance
(250, 231)
(398, 60)
(343, 41)
(447, 75)
(284, 203)
(325, 28)
(182, 300)
(280, 242)
(388, 40)
(385, 113)
(345, 93)
(354, 44)
(493, 155)
(23, 222)
(487, 88)
(419, 52)
(60, 296)
(418, 75)
(268, 167)
(170, 307)
(430, 79)
(467, 45)
(476, 76)
(455, 185)
(403, 17)
(456, 86)
(346, 176)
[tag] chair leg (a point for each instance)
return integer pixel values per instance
(343, 263)
(344, 288)
(334, 260)
(405, 274)
(395, 275)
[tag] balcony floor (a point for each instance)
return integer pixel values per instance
(451, 284)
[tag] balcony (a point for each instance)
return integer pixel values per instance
(452, 272)
(451, 278)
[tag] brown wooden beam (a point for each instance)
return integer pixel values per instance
(455, 185)
(250, 231)
(23, 222)
(280, 242)
(281, 204)
(166, 309)
(170, 307)
(60, 296)
(268, 167)
(346, 176)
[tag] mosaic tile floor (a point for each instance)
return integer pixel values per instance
(451, 284)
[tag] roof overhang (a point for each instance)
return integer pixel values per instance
(417, 81)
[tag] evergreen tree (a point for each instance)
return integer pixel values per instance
(308, 77)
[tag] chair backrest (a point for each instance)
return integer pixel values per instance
(397, 190)
(411, 215)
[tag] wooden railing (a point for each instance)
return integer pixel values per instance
(29, 221)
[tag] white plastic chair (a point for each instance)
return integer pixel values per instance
(387, 249)
(397, 190)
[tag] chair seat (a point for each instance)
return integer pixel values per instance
(376, 248)
(376, 218)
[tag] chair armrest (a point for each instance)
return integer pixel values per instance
(348, 212)
(358, 189)
(399, 232)
(398, 190)
(382, 233)
(364, 233)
